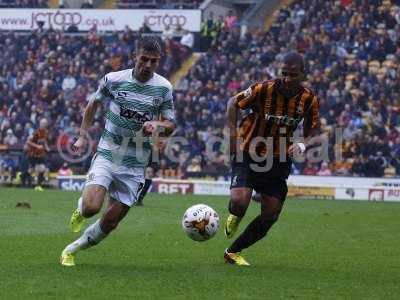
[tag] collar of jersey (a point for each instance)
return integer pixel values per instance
(139, 82)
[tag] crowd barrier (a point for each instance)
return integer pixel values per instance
(308, 187)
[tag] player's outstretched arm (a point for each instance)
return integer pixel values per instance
(88, 116)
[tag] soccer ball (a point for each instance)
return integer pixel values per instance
(200, 222)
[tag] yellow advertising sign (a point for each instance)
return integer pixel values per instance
(311, 192)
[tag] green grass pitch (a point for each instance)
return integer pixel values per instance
(317, 250)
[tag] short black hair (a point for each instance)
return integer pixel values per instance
(294, 58)
(149, 44)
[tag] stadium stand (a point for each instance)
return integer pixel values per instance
(352, 51)
(51, 74)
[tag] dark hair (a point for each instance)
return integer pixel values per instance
(149, 44)
(294, 58)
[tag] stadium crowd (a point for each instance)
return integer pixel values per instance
(50, 74)
(352, 52)
(23, 4)
(163, 4)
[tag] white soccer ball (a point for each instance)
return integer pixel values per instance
(200, 222)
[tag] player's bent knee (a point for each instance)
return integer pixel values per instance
(91, 206)
(90, 209)
(237, 208)
(93, 198)
(240, 198)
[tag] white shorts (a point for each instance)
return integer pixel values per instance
(123, 184)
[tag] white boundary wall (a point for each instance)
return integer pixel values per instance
(309, 187)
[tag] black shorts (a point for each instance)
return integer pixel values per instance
(34, 161)
(251, 174)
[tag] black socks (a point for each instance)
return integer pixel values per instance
(254, 232)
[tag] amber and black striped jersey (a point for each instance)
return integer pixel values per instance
(40, 136)
(273, 115)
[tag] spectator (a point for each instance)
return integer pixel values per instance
(65, 170)
(310, 169)
(343, 72)
(324, 171)
(342, 167)
(10, 139)
(37, 148)
(194, 4)
(230, 21)
(167, 33)
(207, 32)
(187, 40)
(145, 29)
(68, 86)
(178, 32)
(354, 72)
(349, 132)
(87, 4)
(7, 169)
(24, 4)
(43, 4)
(358, 167)
(166, 170)
(194, 166)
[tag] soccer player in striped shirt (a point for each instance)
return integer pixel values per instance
(264, 160)
(140, 104)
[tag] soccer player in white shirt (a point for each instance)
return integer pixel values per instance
(140, 104)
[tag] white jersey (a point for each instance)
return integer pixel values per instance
(131, 104)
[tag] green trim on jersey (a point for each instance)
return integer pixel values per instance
(121, 122)
(138, 106)
(127, 161)
(117, 139)
(148, 90)
(166, 105)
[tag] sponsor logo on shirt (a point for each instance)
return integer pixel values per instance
(138, 117)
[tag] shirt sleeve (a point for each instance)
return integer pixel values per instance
(248, 98)
(167, 107)
(103, 92)
(311, 118)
